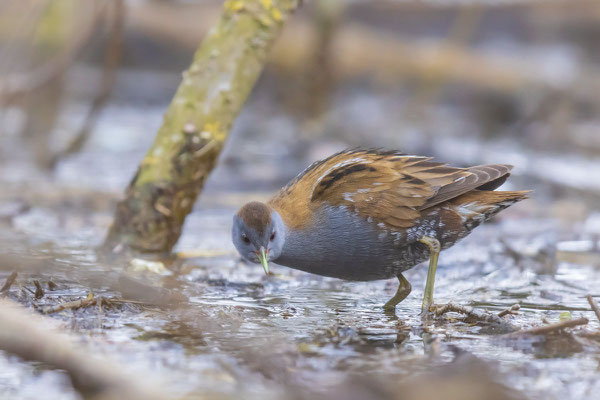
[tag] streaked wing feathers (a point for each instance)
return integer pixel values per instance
(388, 187)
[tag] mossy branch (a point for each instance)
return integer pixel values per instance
(196, 125)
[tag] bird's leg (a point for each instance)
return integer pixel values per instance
(403, 291)
(434, 252)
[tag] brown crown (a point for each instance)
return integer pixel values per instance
(256, 215)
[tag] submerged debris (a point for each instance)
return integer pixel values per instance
(39, 291)
(511, 310)
(474, 315)
(594, 306)
(90, 300)
(9, 281)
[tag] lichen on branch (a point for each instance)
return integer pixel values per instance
(196, 124)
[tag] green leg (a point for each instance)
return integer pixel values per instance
(403, 291)
(434, 249)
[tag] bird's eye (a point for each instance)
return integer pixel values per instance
(245, 239)
(273, 236)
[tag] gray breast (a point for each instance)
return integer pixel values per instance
(343, 245)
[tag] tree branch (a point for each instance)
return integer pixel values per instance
(186, 148)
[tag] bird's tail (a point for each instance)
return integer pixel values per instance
(478, 206)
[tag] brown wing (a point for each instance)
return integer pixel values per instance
(482, 177)
(388, 187)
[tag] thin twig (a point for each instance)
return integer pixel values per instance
(112, 59)
(39, 292)
(99, 304)
(511, 310)
(9, 281)
(543, 330)
(126, 301)
(28, 290)
(594, 306)
(478, 315)
(90, 300)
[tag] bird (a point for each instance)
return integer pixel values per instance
(371, 214)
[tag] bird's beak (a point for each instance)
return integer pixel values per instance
(264, 259)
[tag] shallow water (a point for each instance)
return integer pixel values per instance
(242, 334)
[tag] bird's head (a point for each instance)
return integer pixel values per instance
(258, 233)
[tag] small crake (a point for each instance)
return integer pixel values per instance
(371, 214)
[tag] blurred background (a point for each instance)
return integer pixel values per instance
(83, 88)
